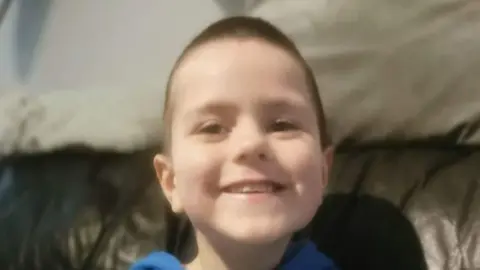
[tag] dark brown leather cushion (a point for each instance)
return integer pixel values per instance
(375, 191)
(365, 232)
(79, 209)
(397, 208)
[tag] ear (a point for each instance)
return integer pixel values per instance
(166, 178)
(328, 155)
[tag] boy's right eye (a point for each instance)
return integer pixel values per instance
(211, 128)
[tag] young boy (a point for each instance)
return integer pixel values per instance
(246, 152)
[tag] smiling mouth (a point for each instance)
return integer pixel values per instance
(254, 188)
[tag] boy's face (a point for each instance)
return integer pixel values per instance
(246, 160)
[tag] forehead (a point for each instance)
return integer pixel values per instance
(232, 69)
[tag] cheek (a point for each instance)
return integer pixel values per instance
(195, 162)
(310, 185)
(195, 184)
(305, 164)
(195, 176)
(310, 177)
(302, 158)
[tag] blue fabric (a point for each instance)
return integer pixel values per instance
(301, 256)
(304, 255)
(158, 261)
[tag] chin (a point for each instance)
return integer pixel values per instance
(264, 239)
(256, 234)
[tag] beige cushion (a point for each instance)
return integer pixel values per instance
(119, 119)
(388, 69)
(387, 72)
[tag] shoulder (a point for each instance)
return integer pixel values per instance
(158, 261)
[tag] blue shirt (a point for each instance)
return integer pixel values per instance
(301, 256)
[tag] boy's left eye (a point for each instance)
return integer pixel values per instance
(282, 125)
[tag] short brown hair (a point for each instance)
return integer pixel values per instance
(243, 27)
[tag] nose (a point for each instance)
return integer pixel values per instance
(251, 144)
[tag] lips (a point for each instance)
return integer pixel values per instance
(251, 187)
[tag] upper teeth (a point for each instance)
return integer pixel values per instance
(251, 188)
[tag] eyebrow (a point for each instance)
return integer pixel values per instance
(230, 108)
(211, 108)
(283, 104)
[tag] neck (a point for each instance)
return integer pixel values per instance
(224, 254)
